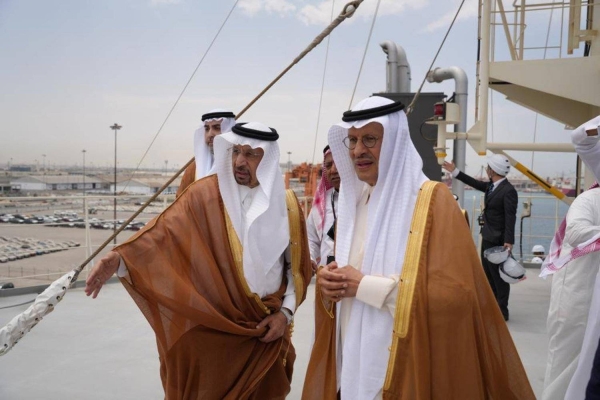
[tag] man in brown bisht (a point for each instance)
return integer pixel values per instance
(405, 311)
(219, 275)
(213, 123)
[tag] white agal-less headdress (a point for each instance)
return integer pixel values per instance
(266, 235)
(204, 158)
(369, 331)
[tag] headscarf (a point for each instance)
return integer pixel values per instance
(204, 158)
(391, 205)
(322, 188)
(265, 236)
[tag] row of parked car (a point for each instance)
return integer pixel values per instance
(15, 248)
(67, 221)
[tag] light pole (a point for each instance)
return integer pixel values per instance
(44, 156)
(83, 152)
(289, 161)
(115, 128)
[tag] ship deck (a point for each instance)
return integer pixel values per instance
(104, 348)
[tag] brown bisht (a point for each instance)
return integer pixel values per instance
(187, 278)
(450, 340)
(189, 176)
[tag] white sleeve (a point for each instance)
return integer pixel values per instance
(588, 147)
(455, 172)
(379, 291)
(123, 272)
(314, 241)
(289, 297)
(581, 225)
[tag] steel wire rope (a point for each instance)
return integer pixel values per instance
(364, 54)
(322, 88)
(412, 103)
(181, 94)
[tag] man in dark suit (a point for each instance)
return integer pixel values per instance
(498, 218)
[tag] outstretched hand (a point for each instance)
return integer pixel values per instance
(449, 166)
(101, 272)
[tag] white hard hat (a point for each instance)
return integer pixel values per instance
(511, 271)
(538, 248)
(499, 164)
(537, 260)
(497, 254)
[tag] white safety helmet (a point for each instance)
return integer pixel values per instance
(497, 254)
(538, 248)
(499, 164)
(511, 271)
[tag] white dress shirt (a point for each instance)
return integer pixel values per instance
(272, 275)
(319, 243)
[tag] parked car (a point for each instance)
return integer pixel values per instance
(7, 285)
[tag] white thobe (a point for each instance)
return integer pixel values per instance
(376, 291)
(272, 276)
(571, 297)
(319, 243)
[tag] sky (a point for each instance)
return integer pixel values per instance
(72, 68)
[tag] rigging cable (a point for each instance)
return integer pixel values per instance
(322, 87)
(412, 103)
(365, 53)
(181, 94)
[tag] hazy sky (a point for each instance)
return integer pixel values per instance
(72, 68)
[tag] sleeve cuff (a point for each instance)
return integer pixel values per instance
(579, 136)
(373, 290)
(122, 272)
(455, 172)
(289, 302)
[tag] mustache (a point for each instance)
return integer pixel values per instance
(363, 157)
(242, 169)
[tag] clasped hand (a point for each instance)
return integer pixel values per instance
(337, 283)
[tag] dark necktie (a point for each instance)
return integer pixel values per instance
(490, 189)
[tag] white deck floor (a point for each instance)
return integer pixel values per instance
(104, 349)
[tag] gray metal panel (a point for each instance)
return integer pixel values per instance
(422, 110)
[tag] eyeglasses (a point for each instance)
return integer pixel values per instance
(248, 155)
(368, 141)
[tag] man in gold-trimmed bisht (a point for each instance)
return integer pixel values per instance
(405, 312)
(220, 273)
(214, 123)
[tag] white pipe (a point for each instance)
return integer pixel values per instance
(484, 76)
(398, 68)
(389, 48)
(404, 78)
(461, 89)
(480, 126)
(548, 147)
(440, 150)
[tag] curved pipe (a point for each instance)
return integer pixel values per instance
(390, 49)
(404, 77)
(461, 88)
(398, 68)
